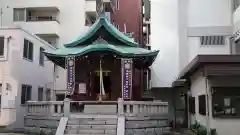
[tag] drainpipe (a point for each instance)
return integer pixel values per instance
(1, 14)
(53, 98)
(207, 106)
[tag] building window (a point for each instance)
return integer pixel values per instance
(19, 14)
(202, 104)
(26, 93)
(192, 105)
(117, 4)
(28, 50)
(226, 101)
(41, 56)
(40, 94)
(212, 40)
(1, 46)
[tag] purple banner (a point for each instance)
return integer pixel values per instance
(70, 75)
(126, 78)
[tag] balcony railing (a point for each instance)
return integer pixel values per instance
(42, 18)
(120, 107)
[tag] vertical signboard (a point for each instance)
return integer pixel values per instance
(70, 75)
(126, 78)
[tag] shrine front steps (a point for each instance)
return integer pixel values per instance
(91, 126)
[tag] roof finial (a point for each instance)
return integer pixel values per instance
(100, 7)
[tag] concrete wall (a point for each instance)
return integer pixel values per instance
(166, 95)
(203, 18)
(236, 20)
(147, 125)
(197, 49)
(18, 71)
(209, 13)
(48, 124)
(164, 37)
(176, 28)
(198, 87)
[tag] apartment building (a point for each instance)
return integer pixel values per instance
(198, 41)
(25, 73)
(56, 22)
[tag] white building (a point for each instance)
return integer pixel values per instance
(183, 30)
(25, 73)
(57, 22)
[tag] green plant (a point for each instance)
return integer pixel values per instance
(199, 129)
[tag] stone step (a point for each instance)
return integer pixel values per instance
(91, 127)
(148, 131)
(92, 121)
(91, 131)
(95, 119)
(89, 134)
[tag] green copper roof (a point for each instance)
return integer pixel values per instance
(124, 51)
(103, 22)
(103, 37)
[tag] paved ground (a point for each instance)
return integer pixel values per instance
(11, 134)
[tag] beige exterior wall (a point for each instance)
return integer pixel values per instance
(223, 126)
(15, 71)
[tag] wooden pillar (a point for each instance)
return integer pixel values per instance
(127, 73)
(70, 63)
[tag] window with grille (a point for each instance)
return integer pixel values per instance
(212, 40)
(28, 50)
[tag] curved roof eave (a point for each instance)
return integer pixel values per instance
(153, 53)
(102, 21)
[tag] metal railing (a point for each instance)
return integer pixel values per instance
(42, 18)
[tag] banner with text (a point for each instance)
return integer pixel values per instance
(126, 78)
(70, 75)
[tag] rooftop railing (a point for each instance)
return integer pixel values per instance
(42, 18)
